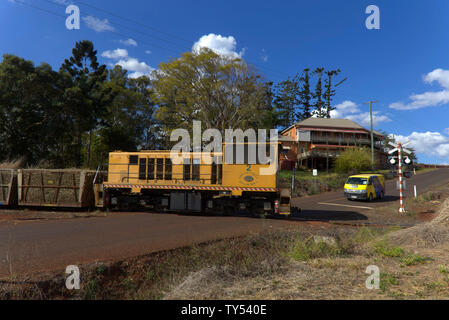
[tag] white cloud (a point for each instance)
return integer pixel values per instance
(115, 54)
(138, 68)
(147, 51)
(446, 130)
(430, 98)
(219, 44)
(350, 110)
(133, 65)
(344, 108)
(264, 56)
(439, 75)
(97, 24)
(129, 42)
(65, 2)
(428, 143)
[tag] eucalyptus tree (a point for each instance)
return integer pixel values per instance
(220, 91)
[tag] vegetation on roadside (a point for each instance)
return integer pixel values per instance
(353, 161)
(307, 184)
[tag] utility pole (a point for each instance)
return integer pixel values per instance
(372, 135)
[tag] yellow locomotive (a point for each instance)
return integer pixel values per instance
(195, 183)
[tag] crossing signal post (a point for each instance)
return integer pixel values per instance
(400, 150)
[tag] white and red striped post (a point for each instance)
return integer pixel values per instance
(401, 208)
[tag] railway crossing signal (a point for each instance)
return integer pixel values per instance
(394, 160)
(399, 148)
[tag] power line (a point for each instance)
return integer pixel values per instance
(273, 73)
(115, 32)
(136, 22)
(41, 9)
(126, 27)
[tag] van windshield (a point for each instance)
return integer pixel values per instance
(357, 181)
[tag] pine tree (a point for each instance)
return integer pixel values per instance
(330, 92)
(85, 99)
(286, 100)
(305, 96)
(319, 110)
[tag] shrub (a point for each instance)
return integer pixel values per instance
(353, 160)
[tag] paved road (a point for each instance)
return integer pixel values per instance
(334, 206)
(50, 245)
(34, 246)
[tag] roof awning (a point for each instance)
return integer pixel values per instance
(331, 146)
(335, 130)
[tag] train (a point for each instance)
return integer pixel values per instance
(151, 179)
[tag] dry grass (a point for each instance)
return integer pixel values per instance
(309, 262)
(426, 235)
(13, 164)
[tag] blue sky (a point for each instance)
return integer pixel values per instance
(404, 64)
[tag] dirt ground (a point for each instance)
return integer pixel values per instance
(323, 260)
(413, 264)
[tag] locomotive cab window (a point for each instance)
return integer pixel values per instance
(196, 169)
(168, 169)
(160, 169)
(187, 169)
(133, 160)
(150, 169)
(142, 168)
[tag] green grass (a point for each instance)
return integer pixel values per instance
(443, 268)
(305, 250)
(389, 251)
(306, 175)
(414, 259)
(306, 183)
(387, 280)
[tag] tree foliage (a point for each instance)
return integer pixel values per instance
(353, 160)
(329, 92)
(58, 117)
(219, 91)
(85, 96)
(295, 101)
(77, 115)
(29, 119)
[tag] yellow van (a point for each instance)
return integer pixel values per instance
(365, 187)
